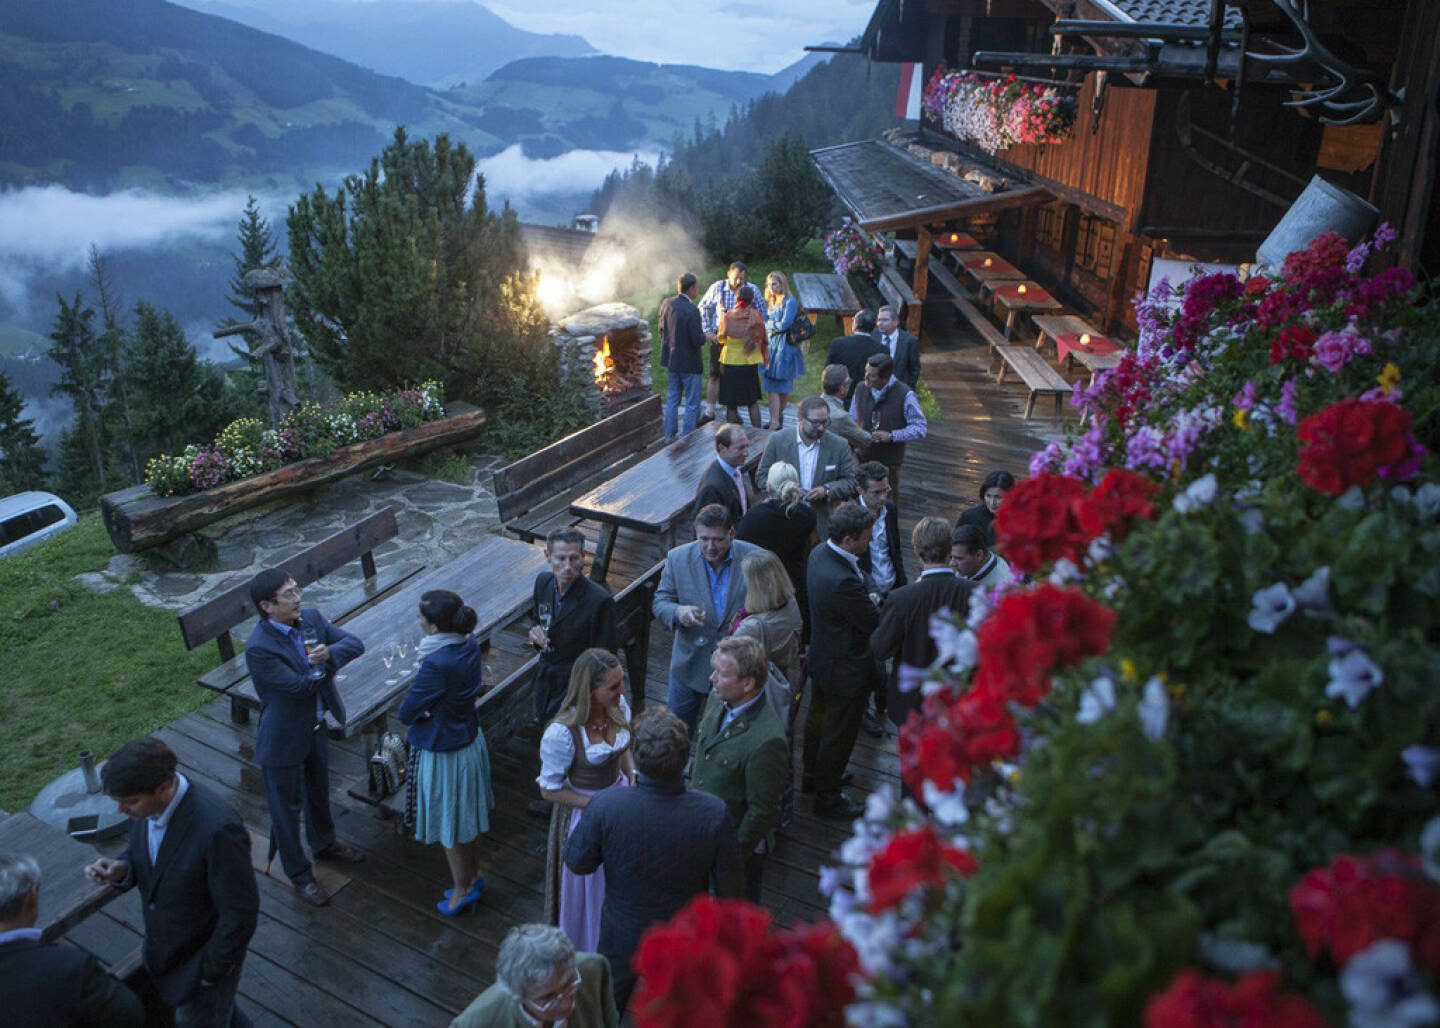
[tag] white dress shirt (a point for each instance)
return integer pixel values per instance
(809, 457)
(157, 825)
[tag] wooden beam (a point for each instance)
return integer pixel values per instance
(959, 209)
(922, 280)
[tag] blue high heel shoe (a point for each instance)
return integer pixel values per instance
(472, 899)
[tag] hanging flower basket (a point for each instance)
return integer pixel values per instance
(998, 113)
(854, 252)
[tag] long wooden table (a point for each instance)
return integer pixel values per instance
(826, 294)
(972, 262)
(496, 577)
(67, 896)
(1022, 297)
(655, 494)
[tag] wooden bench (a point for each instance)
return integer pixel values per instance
(537, 487)
(826, 294)
(215, 618)
(1037, 374)
(896, 290)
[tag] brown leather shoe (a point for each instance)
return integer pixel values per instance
(312, 894)
(338, 853)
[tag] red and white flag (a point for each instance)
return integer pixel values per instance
(907, 98)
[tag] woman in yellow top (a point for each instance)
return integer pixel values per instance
(742, 352)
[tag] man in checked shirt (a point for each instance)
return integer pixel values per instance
(718, 299)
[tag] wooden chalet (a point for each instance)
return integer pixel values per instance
(1189, 143)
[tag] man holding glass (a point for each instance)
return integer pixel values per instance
(292, 656)
(889, 410)
(572, 615)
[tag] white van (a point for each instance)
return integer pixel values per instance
(27, 518)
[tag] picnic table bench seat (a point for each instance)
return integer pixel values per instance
(896, 291)
(215, 618)
(1037, 374)
(533, 493)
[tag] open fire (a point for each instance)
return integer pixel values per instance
(611, 343)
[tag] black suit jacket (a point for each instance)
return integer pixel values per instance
(904, 630)
(842, 619)
(892, 543)
(199, 898)
(718, 487)
(853, 352)
(586, 619)
(907, 356)
(287, 692)
(47, 986)
(682, 335)
(787, 535)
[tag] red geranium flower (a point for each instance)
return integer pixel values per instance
(949, 737)
(1255, 1001)
(1031, 634)
(1121, 499)
(716, 963)
(1040, 522)
(1296, 341)
(914, 860)
(1343, 908)
(1353, 441)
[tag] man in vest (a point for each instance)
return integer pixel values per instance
(890, 411)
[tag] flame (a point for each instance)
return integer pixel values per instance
(988, 262)
(1084, 338)
(1022, 289)
(603, 364)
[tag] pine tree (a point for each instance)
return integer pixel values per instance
(175, 398)
(22, 460)
(257, 250)
(111, 344)
(85, 375)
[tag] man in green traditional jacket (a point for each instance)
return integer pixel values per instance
(741, 754)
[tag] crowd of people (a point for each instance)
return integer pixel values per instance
(794, 593)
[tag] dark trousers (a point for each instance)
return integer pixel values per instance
(551, 685)
(214, 1007)
(830, 732)
(754, 873)
(286, 789)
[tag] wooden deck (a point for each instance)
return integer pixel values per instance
(380, 954)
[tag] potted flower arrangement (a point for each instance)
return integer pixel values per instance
(1185, 773)
(852, 251)
(996, 113)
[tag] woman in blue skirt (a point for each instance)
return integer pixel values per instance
(787, 362)
(450, 764)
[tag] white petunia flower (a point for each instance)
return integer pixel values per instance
(1272, 605)
(1384, 989)
(1314, 592)
(1353, 677)
(1352, 499)
(1154, 709)
(947, 808)
(1096, 701)
(878, 1014)
(879, 804)
(1199, 493)
(1427, 500)
(1066, 572)
(1423, 763)
(1252, 520)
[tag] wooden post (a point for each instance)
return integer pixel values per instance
(920, 282)
(1120, 261)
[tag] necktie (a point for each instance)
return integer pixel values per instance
(740, 484)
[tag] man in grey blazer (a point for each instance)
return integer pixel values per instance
(824, 460)
(700, 590)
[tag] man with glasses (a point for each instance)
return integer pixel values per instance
(540, 979)
(824, 460)
(292, 656)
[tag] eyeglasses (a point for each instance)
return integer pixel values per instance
(543, 1004)
(822, 422)
(293, 593)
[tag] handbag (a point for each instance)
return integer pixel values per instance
(388, 765)
(801, 330)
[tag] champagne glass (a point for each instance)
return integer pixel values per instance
(543, 612)
(312, 640)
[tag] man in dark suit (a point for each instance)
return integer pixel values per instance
(682, 338)
(292, 656)
(883, 562)
(741, 753)
(904, 630)
(189, 855)
(823, 460)
(903, 348)
(572, 614)
(855, 349)
(725, 481)
(661, 844)
(43, 985)
(842, 670)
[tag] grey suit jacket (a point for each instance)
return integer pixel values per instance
(686, 582)
(835, 468)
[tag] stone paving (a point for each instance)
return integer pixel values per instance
(438, 520)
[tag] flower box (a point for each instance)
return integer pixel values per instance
(998, 113)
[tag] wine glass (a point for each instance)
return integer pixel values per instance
(312, 640)
(543, 612)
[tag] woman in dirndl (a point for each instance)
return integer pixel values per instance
(450, 767)
(584, 750)
(787, 361)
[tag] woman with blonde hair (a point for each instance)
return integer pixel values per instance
(787, 361)
(782, 523)
(585, 749)
(770, 613)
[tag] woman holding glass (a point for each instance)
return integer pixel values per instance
(450, 765)
(787, 361)
(584, 750)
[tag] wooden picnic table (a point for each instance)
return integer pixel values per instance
(655, 495)
(67, 896)
(496, 577)
(1022, 297)
(956, 241)
(1052, 326)
(998, 270)
(826, 294)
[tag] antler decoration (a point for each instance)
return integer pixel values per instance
(1352, 96)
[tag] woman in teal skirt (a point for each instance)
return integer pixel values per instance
(450, 764)
(787, 361)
